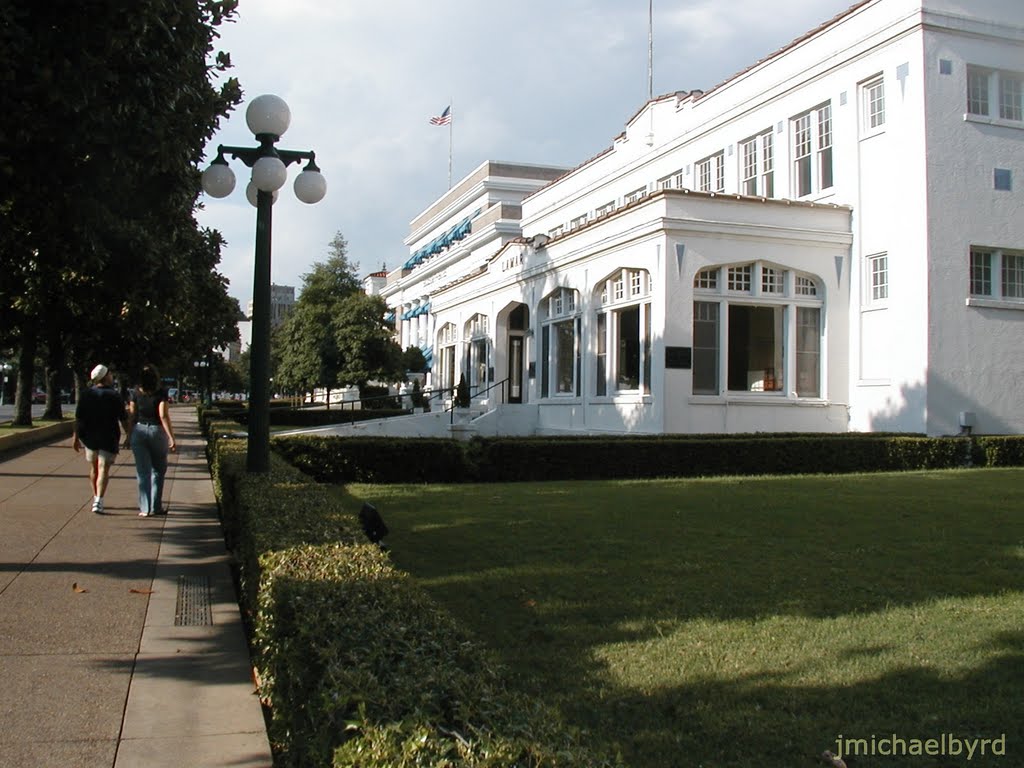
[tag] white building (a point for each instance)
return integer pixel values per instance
(830, 240)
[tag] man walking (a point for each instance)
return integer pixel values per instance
(99, 418)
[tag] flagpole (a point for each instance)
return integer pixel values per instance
(451, 132)
(650, 50)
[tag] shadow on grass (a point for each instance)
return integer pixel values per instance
(578, 585)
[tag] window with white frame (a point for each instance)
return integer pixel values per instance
(623, 344)
(757, 338)
(447, 339)
(877, 282)
(711, 173)
(873, 105)
(738, 278)
(560, 352)
(812, 151)
(757, 159)
(673, 181)
(478, 353)
(997, 273)
(706, 278)
(578, 222)
(988, 87)
(636, 194)
(603, 210)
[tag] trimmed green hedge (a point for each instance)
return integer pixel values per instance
(376, 460)
(357, 665)
(387, 460)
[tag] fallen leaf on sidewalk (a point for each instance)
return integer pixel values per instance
(76, 588)
(141, 591)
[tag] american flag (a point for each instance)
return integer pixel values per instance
(444, 118)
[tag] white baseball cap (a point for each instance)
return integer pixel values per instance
(99, 372)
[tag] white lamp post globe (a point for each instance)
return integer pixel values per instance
(218, 180)
(310, 186)
(250, 194)
(269, 174)
(268, 114)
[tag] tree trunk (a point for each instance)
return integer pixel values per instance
(54, 366)
(26, 372)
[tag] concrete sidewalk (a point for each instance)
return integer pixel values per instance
(121, 642)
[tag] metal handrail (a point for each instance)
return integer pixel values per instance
(503, 384)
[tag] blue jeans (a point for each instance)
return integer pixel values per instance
(149, 444)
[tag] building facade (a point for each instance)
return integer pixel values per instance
(830, 240)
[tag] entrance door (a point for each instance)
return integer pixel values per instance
(515, 369)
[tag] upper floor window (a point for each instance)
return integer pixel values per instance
(997, 273)
(605, 209)
(877, 287)
(578, 222)
(873, 104)
(673, 181)
(711, 173)
(757, 156)
(636, 194)
(812, 151)
(995, 93)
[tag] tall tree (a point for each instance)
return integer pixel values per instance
(336, 335)
(104, 115)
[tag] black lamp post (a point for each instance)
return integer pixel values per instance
(203, 371)
(268, 118)
(5, 368)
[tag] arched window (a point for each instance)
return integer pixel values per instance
(624, 333)
(478, 353)
(746, 319)
(560, 343)
(447, 339)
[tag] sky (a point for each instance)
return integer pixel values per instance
(550, 82)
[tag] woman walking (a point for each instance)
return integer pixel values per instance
(151, 439)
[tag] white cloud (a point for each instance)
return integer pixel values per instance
(545, 81)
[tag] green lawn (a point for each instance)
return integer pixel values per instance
(741, 621)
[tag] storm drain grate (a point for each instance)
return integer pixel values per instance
(193, 609)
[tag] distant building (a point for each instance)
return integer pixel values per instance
(830, 240)
(282, 302)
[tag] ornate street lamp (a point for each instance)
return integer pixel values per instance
(268, 118)
(203, 374)
(5, 368)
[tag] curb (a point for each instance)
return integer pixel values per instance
(36, 436)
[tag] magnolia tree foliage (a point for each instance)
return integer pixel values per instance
(105, 111)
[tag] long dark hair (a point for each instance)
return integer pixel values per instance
(149, 380)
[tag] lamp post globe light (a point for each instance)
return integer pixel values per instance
(268, 117)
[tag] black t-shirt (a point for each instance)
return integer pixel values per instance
(147, 406)
(99, 414)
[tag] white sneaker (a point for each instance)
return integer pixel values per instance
(145, 514)
(97, 506)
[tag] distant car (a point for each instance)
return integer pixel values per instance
(39, 396)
